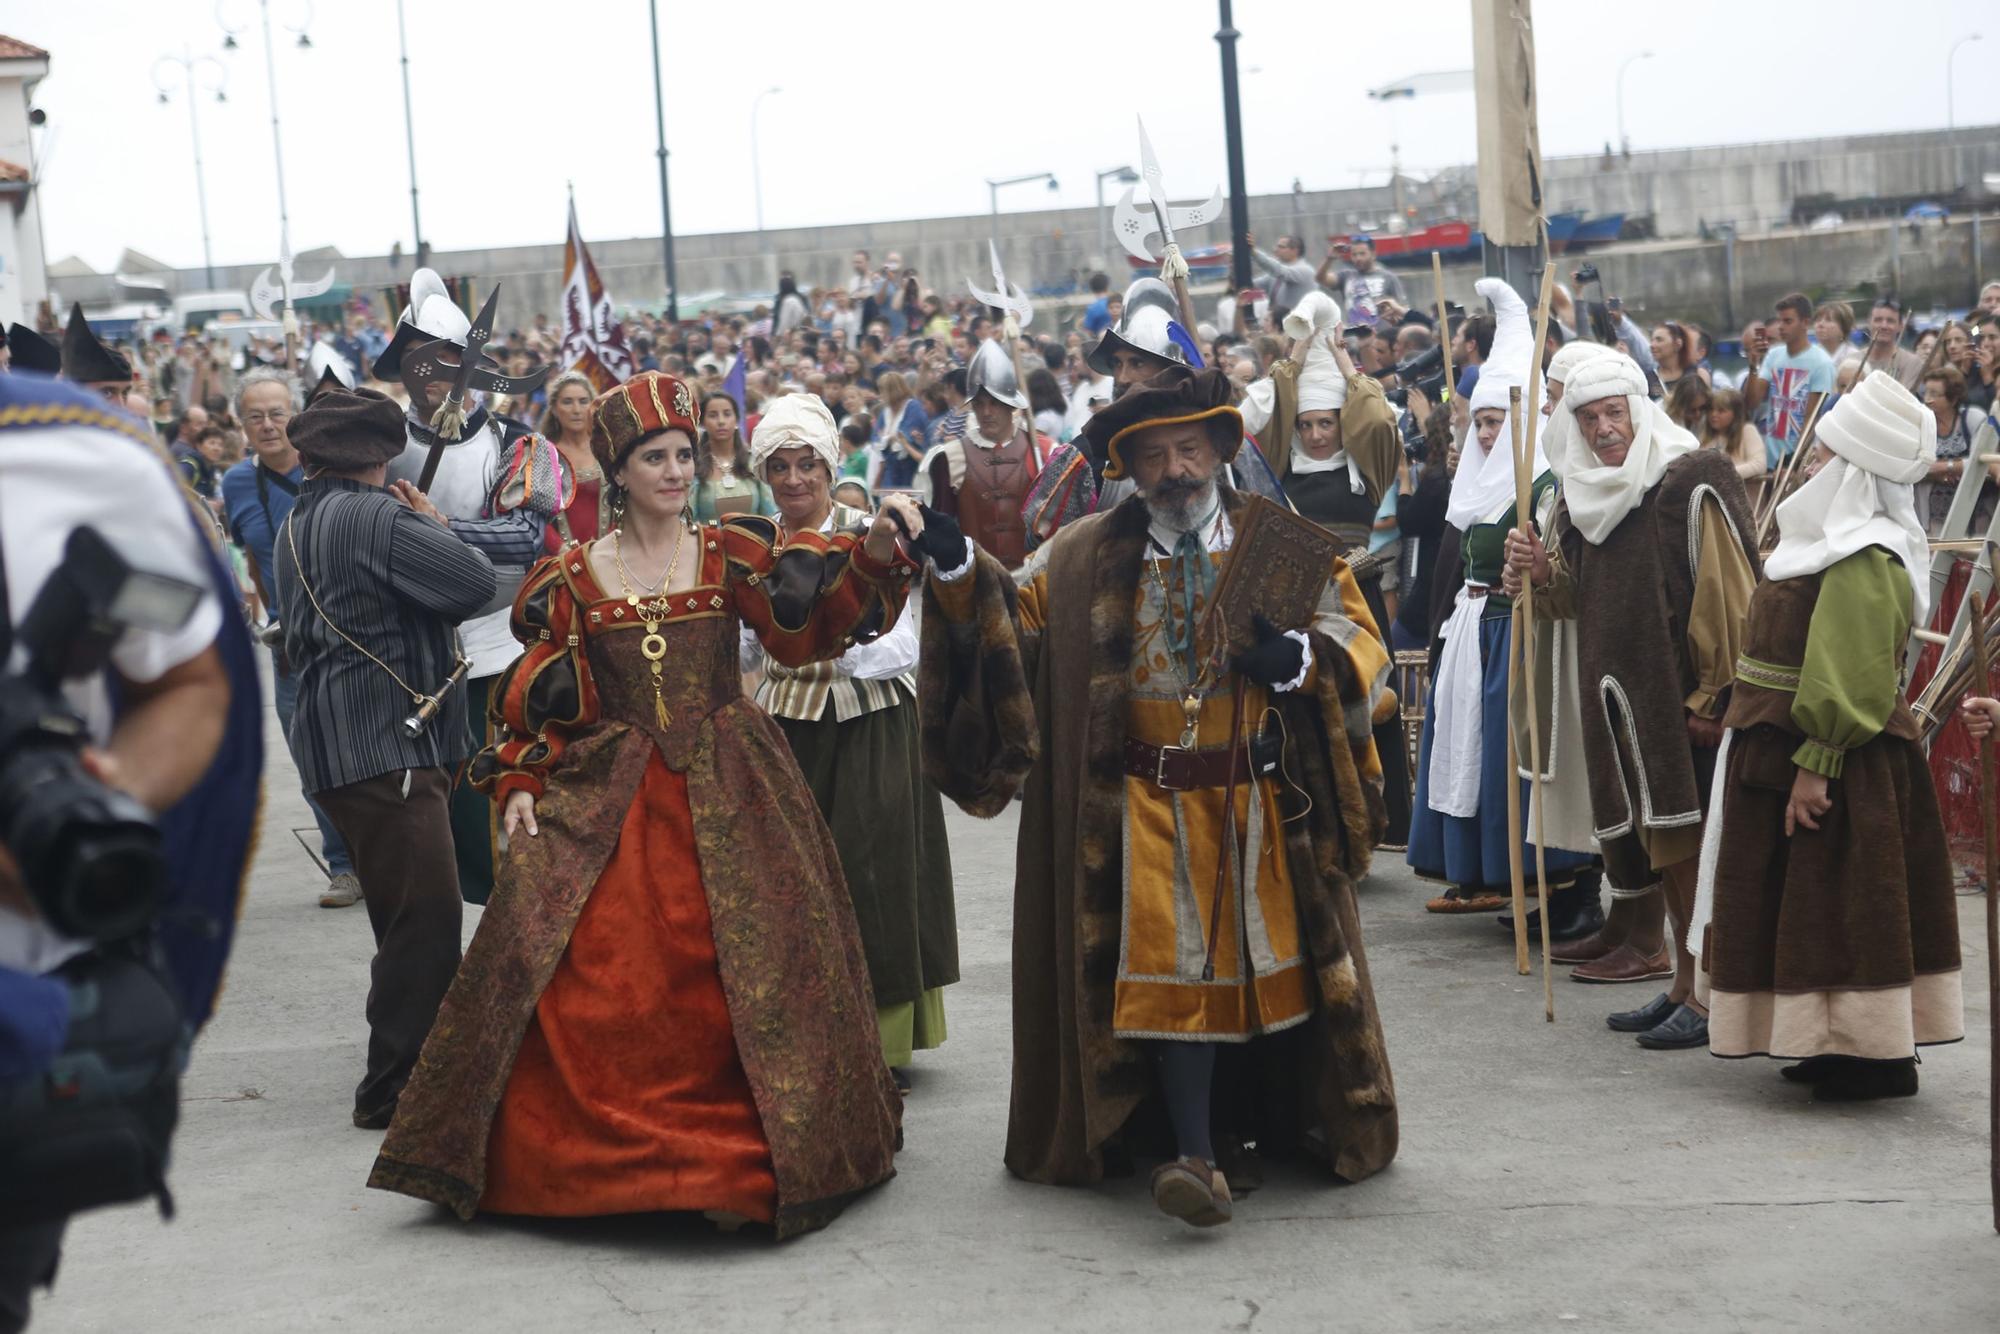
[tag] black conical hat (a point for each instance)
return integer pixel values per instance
(31, 351)
(85, 359)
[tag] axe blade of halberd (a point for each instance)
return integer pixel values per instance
(319, 286)
(1135, 226)
(1005, 295)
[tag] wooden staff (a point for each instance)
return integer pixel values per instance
(1515, 874)
(1981, 684)
(1522, 658)
(1787, 467)
(1444, 327)
(1520, 668)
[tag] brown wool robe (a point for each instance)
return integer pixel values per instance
(1838, 941)
(1002, 710)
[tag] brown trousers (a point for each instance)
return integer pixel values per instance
(402, 850)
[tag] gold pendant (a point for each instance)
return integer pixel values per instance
(1191, 712)
(653, 648)
(631, 599)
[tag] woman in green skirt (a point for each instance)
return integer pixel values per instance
(852, 724)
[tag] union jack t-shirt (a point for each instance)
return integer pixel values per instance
(1793, 380)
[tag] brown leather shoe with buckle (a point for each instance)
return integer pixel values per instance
(1625, 964)
(1192, 1191)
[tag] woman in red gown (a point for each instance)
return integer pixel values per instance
(666, 1005)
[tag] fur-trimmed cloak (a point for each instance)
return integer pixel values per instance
(1003, 707)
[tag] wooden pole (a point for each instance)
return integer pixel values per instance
(1444, 329)
(1516, 874)
(1787, 468)
(1980, 685)
(1527, 611)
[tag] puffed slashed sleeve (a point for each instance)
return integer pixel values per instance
(1848, 681)
(814, 596)
(1347, 643)
(545, 697)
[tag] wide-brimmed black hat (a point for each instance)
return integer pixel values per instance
(346, 429)
(32, 352)
(85, 358)
(1175, 396)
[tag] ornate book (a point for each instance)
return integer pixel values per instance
(1279, 565)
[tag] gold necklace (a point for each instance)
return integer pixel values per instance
(652, 611)
(1190, 693)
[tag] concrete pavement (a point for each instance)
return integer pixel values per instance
(1551, 1177)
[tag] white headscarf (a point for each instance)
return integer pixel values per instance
(1484, 482)
(1311, 323)
(1883, 440)
(1559, 434)
(1599, 497)
(792, 421)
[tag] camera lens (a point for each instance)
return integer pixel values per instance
(115, 881)
(89, 855)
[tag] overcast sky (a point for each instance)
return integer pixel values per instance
(888, 110)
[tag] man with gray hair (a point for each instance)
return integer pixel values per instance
(257, 495)
(1651, 553)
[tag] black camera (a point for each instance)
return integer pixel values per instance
(1424, 372)
(89, 854)
(1587, 273)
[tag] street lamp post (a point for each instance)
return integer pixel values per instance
(666, 210)
(188, 65)
(993, 192)
(229, 43)
(1124, 176)
(1624, 144)
(410, 141)
(1951, 110)
(1232, 132)
(756, 168)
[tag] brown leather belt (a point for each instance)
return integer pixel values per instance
(1178, 770)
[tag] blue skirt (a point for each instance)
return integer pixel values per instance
(1471, 851)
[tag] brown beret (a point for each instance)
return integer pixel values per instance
(348, 429)
(1175, 396)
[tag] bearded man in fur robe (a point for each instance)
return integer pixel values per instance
(1072, 683)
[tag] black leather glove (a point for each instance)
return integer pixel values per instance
(942, 540)
(1275, 659)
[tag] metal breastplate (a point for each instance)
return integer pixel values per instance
(989, 499)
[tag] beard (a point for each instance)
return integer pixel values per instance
(1178, 504)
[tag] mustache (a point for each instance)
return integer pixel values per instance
(1175, 488)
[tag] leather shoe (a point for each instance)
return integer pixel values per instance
(1474, 898)
(1624, 964)
(1588, 950)
(1192, 1191)
(1682, 1029)
(1861, 1080)
(1646, 1017)
(1814, 1069)
(1573, 914)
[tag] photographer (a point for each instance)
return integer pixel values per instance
(176, 711)
(371, 583)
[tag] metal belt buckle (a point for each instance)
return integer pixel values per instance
(1160, 768)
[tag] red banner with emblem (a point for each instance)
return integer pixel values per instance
(592, 340)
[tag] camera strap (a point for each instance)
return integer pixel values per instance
(417, 697)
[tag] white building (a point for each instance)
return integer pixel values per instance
(23, 283)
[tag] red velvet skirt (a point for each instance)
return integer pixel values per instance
(628, 1095)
